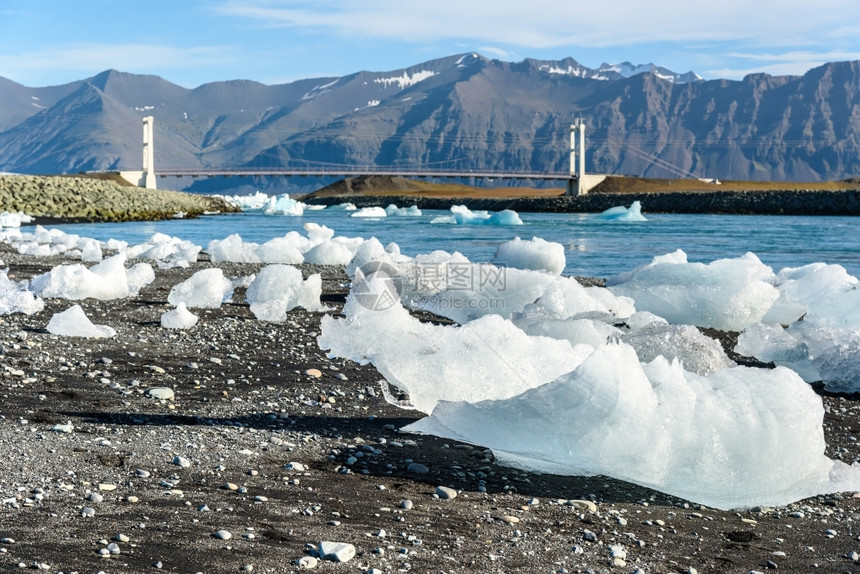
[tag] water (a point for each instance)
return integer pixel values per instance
(594, 248)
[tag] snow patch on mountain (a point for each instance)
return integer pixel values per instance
(405, 80)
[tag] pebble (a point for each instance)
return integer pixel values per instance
(446, 493)
(160, 393)
(88, 511)
(296, 466)
(417, 468)
(307, 562)
(66, 428)
(315, 373)
(336, 551)
(589, 536)
(140, 473)
(406, 504)
(583, 505)
(509, 519)
(223, 535)
(181, 461)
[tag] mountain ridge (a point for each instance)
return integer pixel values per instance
(463, 112)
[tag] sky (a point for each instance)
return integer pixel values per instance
(192, 42)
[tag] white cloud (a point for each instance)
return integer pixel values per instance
(548, 23)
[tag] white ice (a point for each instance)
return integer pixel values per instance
(462, 215)
(15, 297)
(105, 281)
(536, 253)
(726, 294)
(284, 205)
(73, 322)
(166, 250)
(737, 438)
(247, 202)
(621, 213)
(277, 289)
(435, 363)
(14, 219)
(206, 289)
(370, 212)
(178, 318)
(411, 211)
(233, 248)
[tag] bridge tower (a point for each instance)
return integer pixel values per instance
(146, 177)
(579, 183)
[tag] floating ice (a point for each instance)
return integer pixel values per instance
(279, 288)
(284, 205)
(411, 211)
(462, 215)
(727, 294)
(73, 322)
(342, 207)
(206, 289)
(370, 212)
(536, 254)
(737, 438)
(247, 202)
(621, 213)
(179, 318)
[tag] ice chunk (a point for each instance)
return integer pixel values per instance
(337, 251)
(829, 294)
(139, 276)
(15, 298)
(411, 211)
(488, 357)
(474, 290)
(279, 288)
(206, 289)
(536, 254)
(247, 202)
(179, 318)
(105, 281)
(621, 213)
(737, 438)
(462, 215)
(696, 352)
(168, 251)
(284, 205)
(726, 294)
(370, 212)
(73, 322)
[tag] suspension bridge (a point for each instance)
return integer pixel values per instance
(576, 181)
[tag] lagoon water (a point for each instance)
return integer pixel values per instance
(594, 247)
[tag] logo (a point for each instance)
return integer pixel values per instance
(377, 285)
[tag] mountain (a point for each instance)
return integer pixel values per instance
(463, 112)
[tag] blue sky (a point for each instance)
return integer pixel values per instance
(192, 42)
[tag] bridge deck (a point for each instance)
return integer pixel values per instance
(358, 172)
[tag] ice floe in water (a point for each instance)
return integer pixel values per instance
(621, 213)
(73, 322)
(370, 212)
(732, 438)
(462, 215)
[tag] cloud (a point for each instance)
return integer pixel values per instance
(541, 24)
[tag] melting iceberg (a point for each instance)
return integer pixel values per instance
(462, 215)
(284, 205)
(179, 318)
(621, 213)
(206, 289)
(279, 288)
(729, 437)
(370, 212)
(537, 254)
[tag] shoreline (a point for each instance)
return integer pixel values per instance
(765, 202)
(271, 441)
